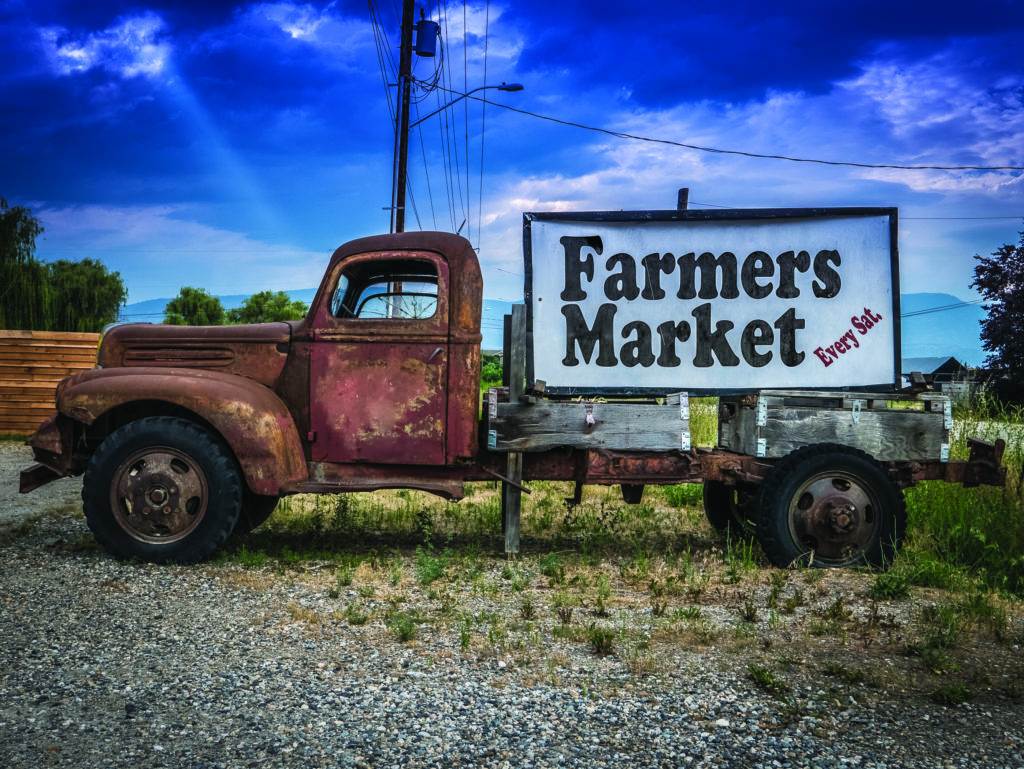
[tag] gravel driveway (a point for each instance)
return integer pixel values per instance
(104, 663)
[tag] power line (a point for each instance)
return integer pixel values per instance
(905, 218)
(426, 172)
(940, 308)
(483, 134)
(465, 115)
(741, 153)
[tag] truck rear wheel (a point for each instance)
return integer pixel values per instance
(830, 506)
(730, 510)
(162, 489)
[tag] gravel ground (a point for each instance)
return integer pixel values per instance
(105, 664)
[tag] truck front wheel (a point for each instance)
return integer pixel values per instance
(162, 489)
(830, 505)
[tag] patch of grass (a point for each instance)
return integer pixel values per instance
(767, 680)
(395, 573)
(568, 632)
(890, 585)
(684, 494)
(465, 633)
(430, 567)
(601, 640)
(837, 611)
(979, 529)
(951, 694)
(564, 606)
(404, 626)
(739, 559)
(527, 609)
(686, 613)
(943, 624)
(748, 611)
(640, 662)
(249, 559)
(793, 602)
(777, 579)
(355, 616)
(981, 610)
(845, 674)
(551, 566)
(300, 613)
(602, 595)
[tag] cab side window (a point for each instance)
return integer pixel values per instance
(392, 289)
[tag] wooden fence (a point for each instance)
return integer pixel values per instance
(31, 365)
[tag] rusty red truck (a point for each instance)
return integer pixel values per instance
(186, 435)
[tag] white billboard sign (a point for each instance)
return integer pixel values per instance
(641, 302)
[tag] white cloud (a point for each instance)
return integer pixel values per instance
(135, 46)
(939, 110)
(346, 39)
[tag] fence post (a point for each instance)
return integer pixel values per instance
(511, 495)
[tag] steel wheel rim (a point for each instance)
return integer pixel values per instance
(834, 516)
(159, 495)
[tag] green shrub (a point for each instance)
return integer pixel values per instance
(890, 585)
(601, 640)
(684, 494)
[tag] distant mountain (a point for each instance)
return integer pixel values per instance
(954, 332)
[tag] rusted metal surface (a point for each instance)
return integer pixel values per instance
(379, 385)
(251, 418)
(37, 475)
(982, 468)
(442, 480)
(159, 495)
(832, 514)
(256, 351)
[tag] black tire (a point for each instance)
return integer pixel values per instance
(730, 510)
(189, 476)
(830, 506)
(256, 508)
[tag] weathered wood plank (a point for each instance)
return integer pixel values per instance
(512, 501)
(511, 493)
(885, 435)
(58, 336)
(622, 426)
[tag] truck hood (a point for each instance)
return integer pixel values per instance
(257, 351)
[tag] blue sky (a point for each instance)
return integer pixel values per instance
(234, 146)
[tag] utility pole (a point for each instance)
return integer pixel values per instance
(402, 130)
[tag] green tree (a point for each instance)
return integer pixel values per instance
(266, 306)
(84, 295)
(1000, 279)
(54, 296)
(24, 287)
(194, 307)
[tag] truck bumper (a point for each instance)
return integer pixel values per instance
(35, 476)
(52, 449)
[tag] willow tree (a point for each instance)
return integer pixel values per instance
(24, 285)
(54, 296)
(84, 295)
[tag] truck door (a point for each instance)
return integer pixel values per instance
(379, 361)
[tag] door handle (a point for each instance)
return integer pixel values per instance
(437, 351)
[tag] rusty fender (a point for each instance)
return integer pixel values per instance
(250, 417)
